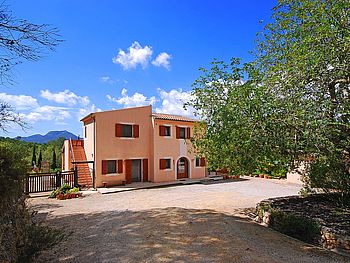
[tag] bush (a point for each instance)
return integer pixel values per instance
(39, 238)
(64, 189)
(20, 238)
(301, 228)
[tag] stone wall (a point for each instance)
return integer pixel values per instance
(332, 235)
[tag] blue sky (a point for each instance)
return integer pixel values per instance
(120, 54)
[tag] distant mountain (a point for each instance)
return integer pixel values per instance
(50, 136)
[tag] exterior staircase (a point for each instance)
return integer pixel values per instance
(78, 155)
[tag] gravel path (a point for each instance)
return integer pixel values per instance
(193, 223)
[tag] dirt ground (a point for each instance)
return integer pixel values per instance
(194, 223)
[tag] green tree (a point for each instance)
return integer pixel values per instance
(291, 105)
(304, 56)
(40, 159)
(54, 159)
(34, 156)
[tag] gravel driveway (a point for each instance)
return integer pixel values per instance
(192, 223)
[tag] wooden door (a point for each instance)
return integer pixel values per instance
(182, 168)
(145, 170)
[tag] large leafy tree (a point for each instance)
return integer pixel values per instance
(293, 105)
(304, 56)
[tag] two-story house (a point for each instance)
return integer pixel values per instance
(135, 145)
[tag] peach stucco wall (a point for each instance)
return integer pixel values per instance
(67, 157)
(149, 145)
(89, 143)
(170, 147)
(109, 147)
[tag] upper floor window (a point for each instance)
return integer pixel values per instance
(183, 132)
(127, 130)
(164, 130)
(85, 132)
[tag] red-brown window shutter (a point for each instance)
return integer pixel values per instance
(118, 130)
(202, 161)
(177, 132)
(161, 130)
(120, 166)
(145, 170)
(188, 133)
(136, 131)
(162, 164)
(104, 167)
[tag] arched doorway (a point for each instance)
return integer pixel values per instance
(182, 168)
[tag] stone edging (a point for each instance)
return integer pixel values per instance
(329, 239)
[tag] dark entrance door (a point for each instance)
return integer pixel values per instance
(136, 170)
(182, 168)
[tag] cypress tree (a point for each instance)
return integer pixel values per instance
(40, 159)
(53, 164)
(33, 156)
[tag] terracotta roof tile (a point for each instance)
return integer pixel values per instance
(171, 117)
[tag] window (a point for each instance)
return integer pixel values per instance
(164, 130)
(165, 164)
(85, 132)
(112, 166)
(200, 162)
(183, 132)
(127, 130)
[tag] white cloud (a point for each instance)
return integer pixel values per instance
(162, 60)
(87, 110)
(172, 102)
(20, 102)
(47, 113)
(136, 55)
(108, 80)
(137, 99)
(64, 97)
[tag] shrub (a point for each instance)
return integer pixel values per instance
(301, 228)
(39, 238)
(64, 189)
(20, 238)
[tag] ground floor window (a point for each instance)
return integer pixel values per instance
(165, 164)
(200, 162)
(112, 166)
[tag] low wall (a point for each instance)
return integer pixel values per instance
(331, 237)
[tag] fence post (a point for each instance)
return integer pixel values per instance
(58, 179)
(27, 184)
(75, 176)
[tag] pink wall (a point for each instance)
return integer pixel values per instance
(170, 147)
(109, 147)
(149, 145)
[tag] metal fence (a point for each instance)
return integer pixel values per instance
(43, 182)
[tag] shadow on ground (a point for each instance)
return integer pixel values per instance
(224, 181)
(174, 235)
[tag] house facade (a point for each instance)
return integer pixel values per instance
(136, 145)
